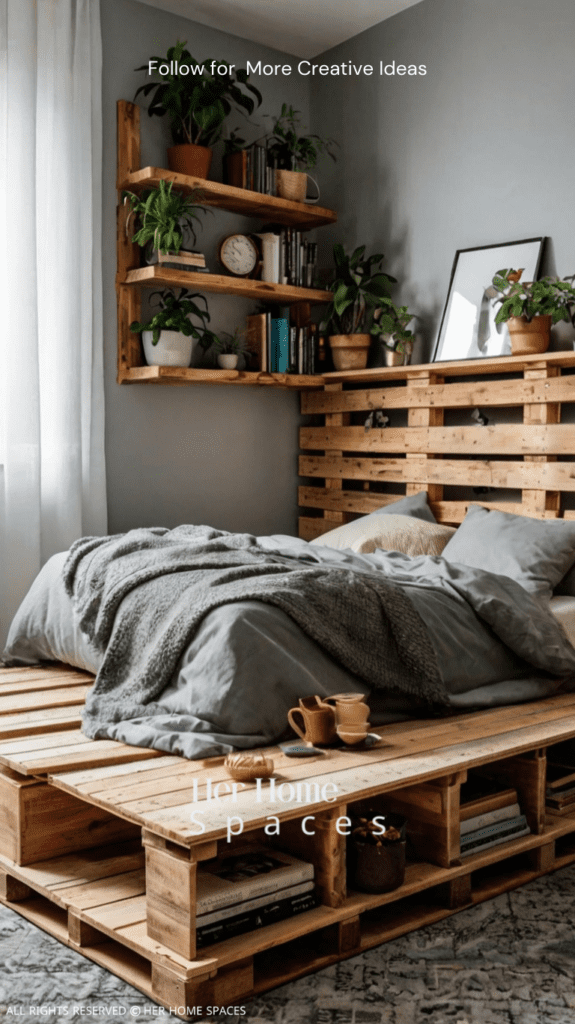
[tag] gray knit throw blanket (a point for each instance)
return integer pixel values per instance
(141, 596)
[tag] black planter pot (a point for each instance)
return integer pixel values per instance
(380, 868)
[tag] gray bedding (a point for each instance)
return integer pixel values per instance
(246, 661)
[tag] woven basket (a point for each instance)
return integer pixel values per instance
(291, 185)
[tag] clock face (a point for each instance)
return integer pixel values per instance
(239, 255)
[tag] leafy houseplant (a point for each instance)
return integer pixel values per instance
(294, 153)
(161, 214)
(359, 287)
(391, 325)
(529, 308)
(196, 103)
(229, 347)
(169, 334)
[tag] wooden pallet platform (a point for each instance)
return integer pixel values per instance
(97, 845)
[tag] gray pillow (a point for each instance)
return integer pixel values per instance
(536, 553)
(45, 627)
(415, 505)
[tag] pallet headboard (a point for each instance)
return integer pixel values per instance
(347, 464)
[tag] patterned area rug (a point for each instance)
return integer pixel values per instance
(508, 961)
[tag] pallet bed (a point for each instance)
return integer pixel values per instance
(96, 840)
(97, 848)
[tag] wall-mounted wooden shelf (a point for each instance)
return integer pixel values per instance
(235, 200)
(224, 284)
(459, 368)
(190, 375)
(131, 278)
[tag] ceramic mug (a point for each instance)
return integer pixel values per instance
(317, 725)
(349, 708)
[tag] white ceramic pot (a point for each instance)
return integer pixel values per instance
(173, 349)
(228, 360)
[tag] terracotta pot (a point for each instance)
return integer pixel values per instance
(291, 185)
(529, 337)
(350, 351)
(194, 161)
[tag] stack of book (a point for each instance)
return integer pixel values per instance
(297, 259)
(277, 346)
(252, 168)
(489, 818)
(184, 260)
(560, 789)
(249, 889)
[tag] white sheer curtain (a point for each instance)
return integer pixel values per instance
(52, 484)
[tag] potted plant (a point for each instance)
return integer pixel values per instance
(358, 287)
(294, 154)
(391, 325)
(529, 308)
(168, 336)
(377, 853)
(196, 104)
(161, 215)
(228, 348)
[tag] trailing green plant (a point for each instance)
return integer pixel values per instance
(550, 296)
(393, 320)
(292, 150)
(234, 143)
(197, 103)
(161, 213)
(174, 315)
(359, 287)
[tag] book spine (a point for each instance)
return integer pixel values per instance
(490, 818)
(259, 901)
(486, 843)
(269, 360)
(280, 910)
(281, 338)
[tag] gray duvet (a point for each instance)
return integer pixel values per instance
(466, 637)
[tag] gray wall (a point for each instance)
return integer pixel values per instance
(219, 455)
(480, 150)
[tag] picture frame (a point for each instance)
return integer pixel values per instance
(468, 329)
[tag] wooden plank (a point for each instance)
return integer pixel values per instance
(177, 375)
(222, 284)
(30, 723)
(103, 891)
(49, 876)
(42, 680)
(466, 395)
(455, 368)
(497, 439)
(337, 515)
(237, 200)
(361, 502)
(539, 499)
(558, 476)
(58, 698)
(171, 900)
(92, 754)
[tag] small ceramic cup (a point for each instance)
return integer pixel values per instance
(353, 734)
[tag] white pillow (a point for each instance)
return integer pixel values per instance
(389, 532)
(45, 627)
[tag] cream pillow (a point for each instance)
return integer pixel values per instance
(390, 532)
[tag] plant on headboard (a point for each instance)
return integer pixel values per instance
(529, 308)
(359, 287)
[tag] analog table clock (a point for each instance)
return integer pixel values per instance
(239, 255)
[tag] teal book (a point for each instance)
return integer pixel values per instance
(280, 344)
